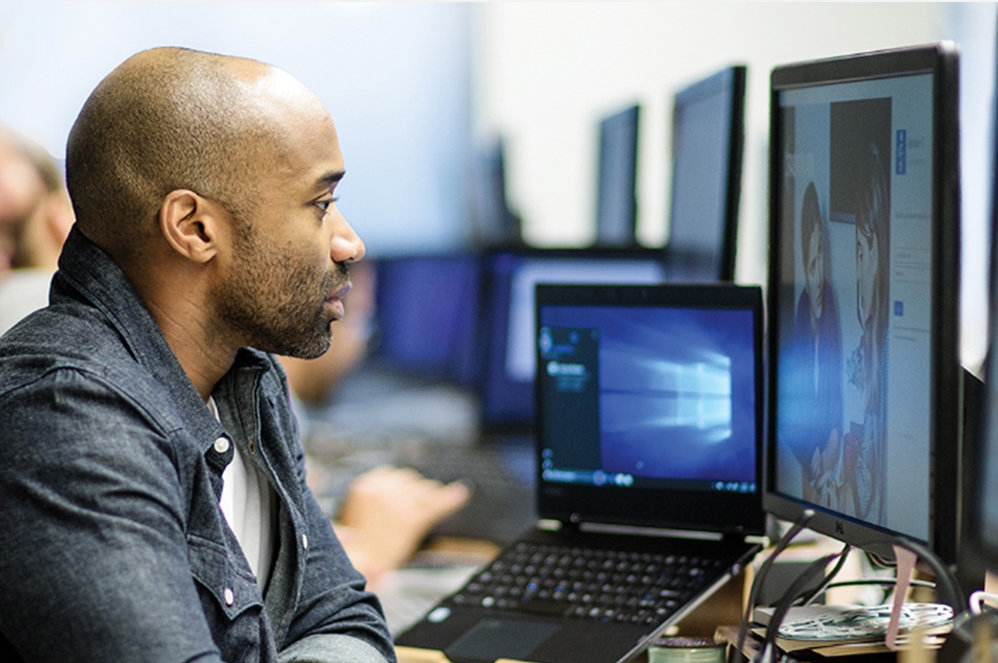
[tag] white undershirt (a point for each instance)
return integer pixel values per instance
(247, 504)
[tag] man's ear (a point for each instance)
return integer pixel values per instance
(190, 224)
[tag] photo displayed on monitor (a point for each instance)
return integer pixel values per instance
(866, 384)
(616, 204)
(706, 176)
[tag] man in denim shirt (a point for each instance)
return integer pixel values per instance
(151, 479)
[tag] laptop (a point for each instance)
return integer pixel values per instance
(648, 477)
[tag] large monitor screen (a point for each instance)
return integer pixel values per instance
(866, 383)
(707, 141)
(508, 383)
(616, 204)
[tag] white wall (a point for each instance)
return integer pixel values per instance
(547, 71)
(395, 77)
(407, 83)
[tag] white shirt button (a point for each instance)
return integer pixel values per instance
(221, 445)
(229, 597)
(304, 541)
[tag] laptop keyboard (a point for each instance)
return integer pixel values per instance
(597, 584)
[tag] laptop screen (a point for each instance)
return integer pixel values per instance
(649, 405)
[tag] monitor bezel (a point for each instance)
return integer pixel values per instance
(731, 78)
(946, 395)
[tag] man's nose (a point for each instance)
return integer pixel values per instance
(346, 245)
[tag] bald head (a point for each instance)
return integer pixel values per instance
(169, 119)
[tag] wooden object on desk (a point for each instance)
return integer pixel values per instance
(415, 655)
(725, 606)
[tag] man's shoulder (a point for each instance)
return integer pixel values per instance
(59, 340)
(63, 332)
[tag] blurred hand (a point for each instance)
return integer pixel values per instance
(388, 512)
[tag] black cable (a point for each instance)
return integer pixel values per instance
(809, 598)
(947, 590)
(796, 588)
(802, 520)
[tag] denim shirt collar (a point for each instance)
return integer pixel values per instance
(89, 274)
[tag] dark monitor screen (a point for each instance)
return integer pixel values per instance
(426, 308)
(507, 388)
(707, 142)
(616, 205)
(865, 401)
(982, 449)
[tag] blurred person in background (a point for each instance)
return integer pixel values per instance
(35, 218)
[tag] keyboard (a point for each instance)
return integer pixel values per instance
(500, 475)
(596, 584)
(502, 484)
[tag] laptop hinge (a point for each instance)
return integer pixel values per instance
(610, 528)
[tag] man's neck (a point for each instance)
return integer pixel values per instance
(184, 315)
(203, 359)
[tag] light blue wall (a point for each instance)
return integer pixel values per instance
(395, 76)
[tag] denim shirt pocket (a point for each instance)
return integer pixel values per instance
(217, 572)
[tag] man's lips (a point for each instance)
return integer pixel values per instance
(340, 293)
(336, 300)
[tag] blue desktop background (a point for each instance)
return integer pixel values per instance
(677, 395)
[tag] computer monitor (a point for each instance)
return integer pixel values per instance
(507, 385)
(980, 553)
(426, 312)
(616, 204)
(496, 223)
(981, 455)
(866, 385)
(708, 134)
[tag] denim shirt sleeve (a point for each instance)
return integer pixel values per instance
(332, 605)
(93, 552)
(330, 649)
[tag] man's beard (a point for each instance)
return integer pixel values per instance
(276, 304)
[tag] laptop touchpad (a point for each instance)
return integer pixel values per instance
(490, 639)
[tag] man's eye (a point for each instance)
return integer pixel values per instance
(324, 205)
